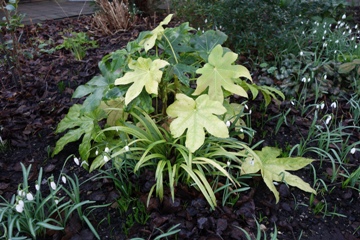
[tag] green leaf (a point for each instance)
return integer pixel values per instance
(219, 73)
(78, 125)
(346, 67)
(93, 100)
(83, 90)
(274, 169)
(180, 71)
(205, 43)
(146, 74)
(155, 34)
(195, 116)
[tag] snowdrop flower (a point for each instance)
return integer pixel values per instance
(323, 38)
(63, 179)
(325, 44)
(350, 31)
(107, 150)
(126, 148)
(241, 130)
(325, 76)
(301, 53)
(37, 187)
(328, 119)
(21, 193)
(228, 124)
(303, 32)
(246, 106)
(355, 46)
(325, 32)
(275, 183)
(343, 16)
(205, 20)
(353, 150)
(303, 79)
(250, 111)
(106, 159)
(322, 105)
(76, 160)
(228, 163)
(308, 80)
(20, 206)
(56, 201)
(292, 102)
(333, 105)
(52, 185)
(335, 51)
(356, 26)
(29, 196)
(314, 31)
(344, 33)
(96, 152)
(352, 39)
(337, 41)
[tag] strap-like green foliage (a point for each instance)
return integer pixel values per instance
(219, 73)
(273, 169)
(146, 74)
(195, 116)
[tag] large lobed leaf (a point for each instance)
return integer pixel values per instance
(274, 169)
(220, 73)
(195, 116)
(146, 74)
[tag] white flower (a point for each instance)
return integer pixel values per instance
(205, 20)
(325, 31)
(250, 111)
(343, 16)
(308, 80)
(20, 206)
(335, 51)
(246, 106)
(355, 46)
(228, 124)
(21, 193)
(276, 183)
(356, 26)
(350, 31)
(352, 39)
(126, 148)
(328, 119)
(29, 196)
(337, 41)
(325, 76)
(322, 105)
(96, 152)
(353, 150)
(301, 53)
(333, 105)
(241, 130)
(228, 163)
(37, 187)
(107, 150)
(303, 79)
(52, 185)
(63, 179)
(325, 44)
(344, 33)
(303, 32)
(106, 159)
(76, 160)
(314, 31)
(56, 201)
(292, 102)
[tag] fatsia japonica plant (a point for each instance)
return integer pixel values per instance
(163, 104)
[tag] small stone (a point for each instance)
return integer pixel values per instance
(202, 223)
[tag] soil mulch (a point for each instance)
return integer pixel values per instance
(29, 116)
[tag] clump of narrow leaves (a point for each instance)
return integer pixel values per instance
(166, 102)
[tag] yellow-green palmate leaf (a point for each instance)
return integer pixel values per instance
(195, 115)
(156, 33)
(146, 74)
(220, 73)
(273, 169)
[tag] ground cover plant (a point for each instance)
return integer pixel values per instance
(161, 181)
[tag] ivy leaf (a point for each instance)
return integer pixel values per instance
(156, 33)
(219, 73)
(195, 116)
(146, 74)
(274, 169)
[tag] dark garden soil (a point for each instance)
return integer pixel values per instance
(29, 116)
